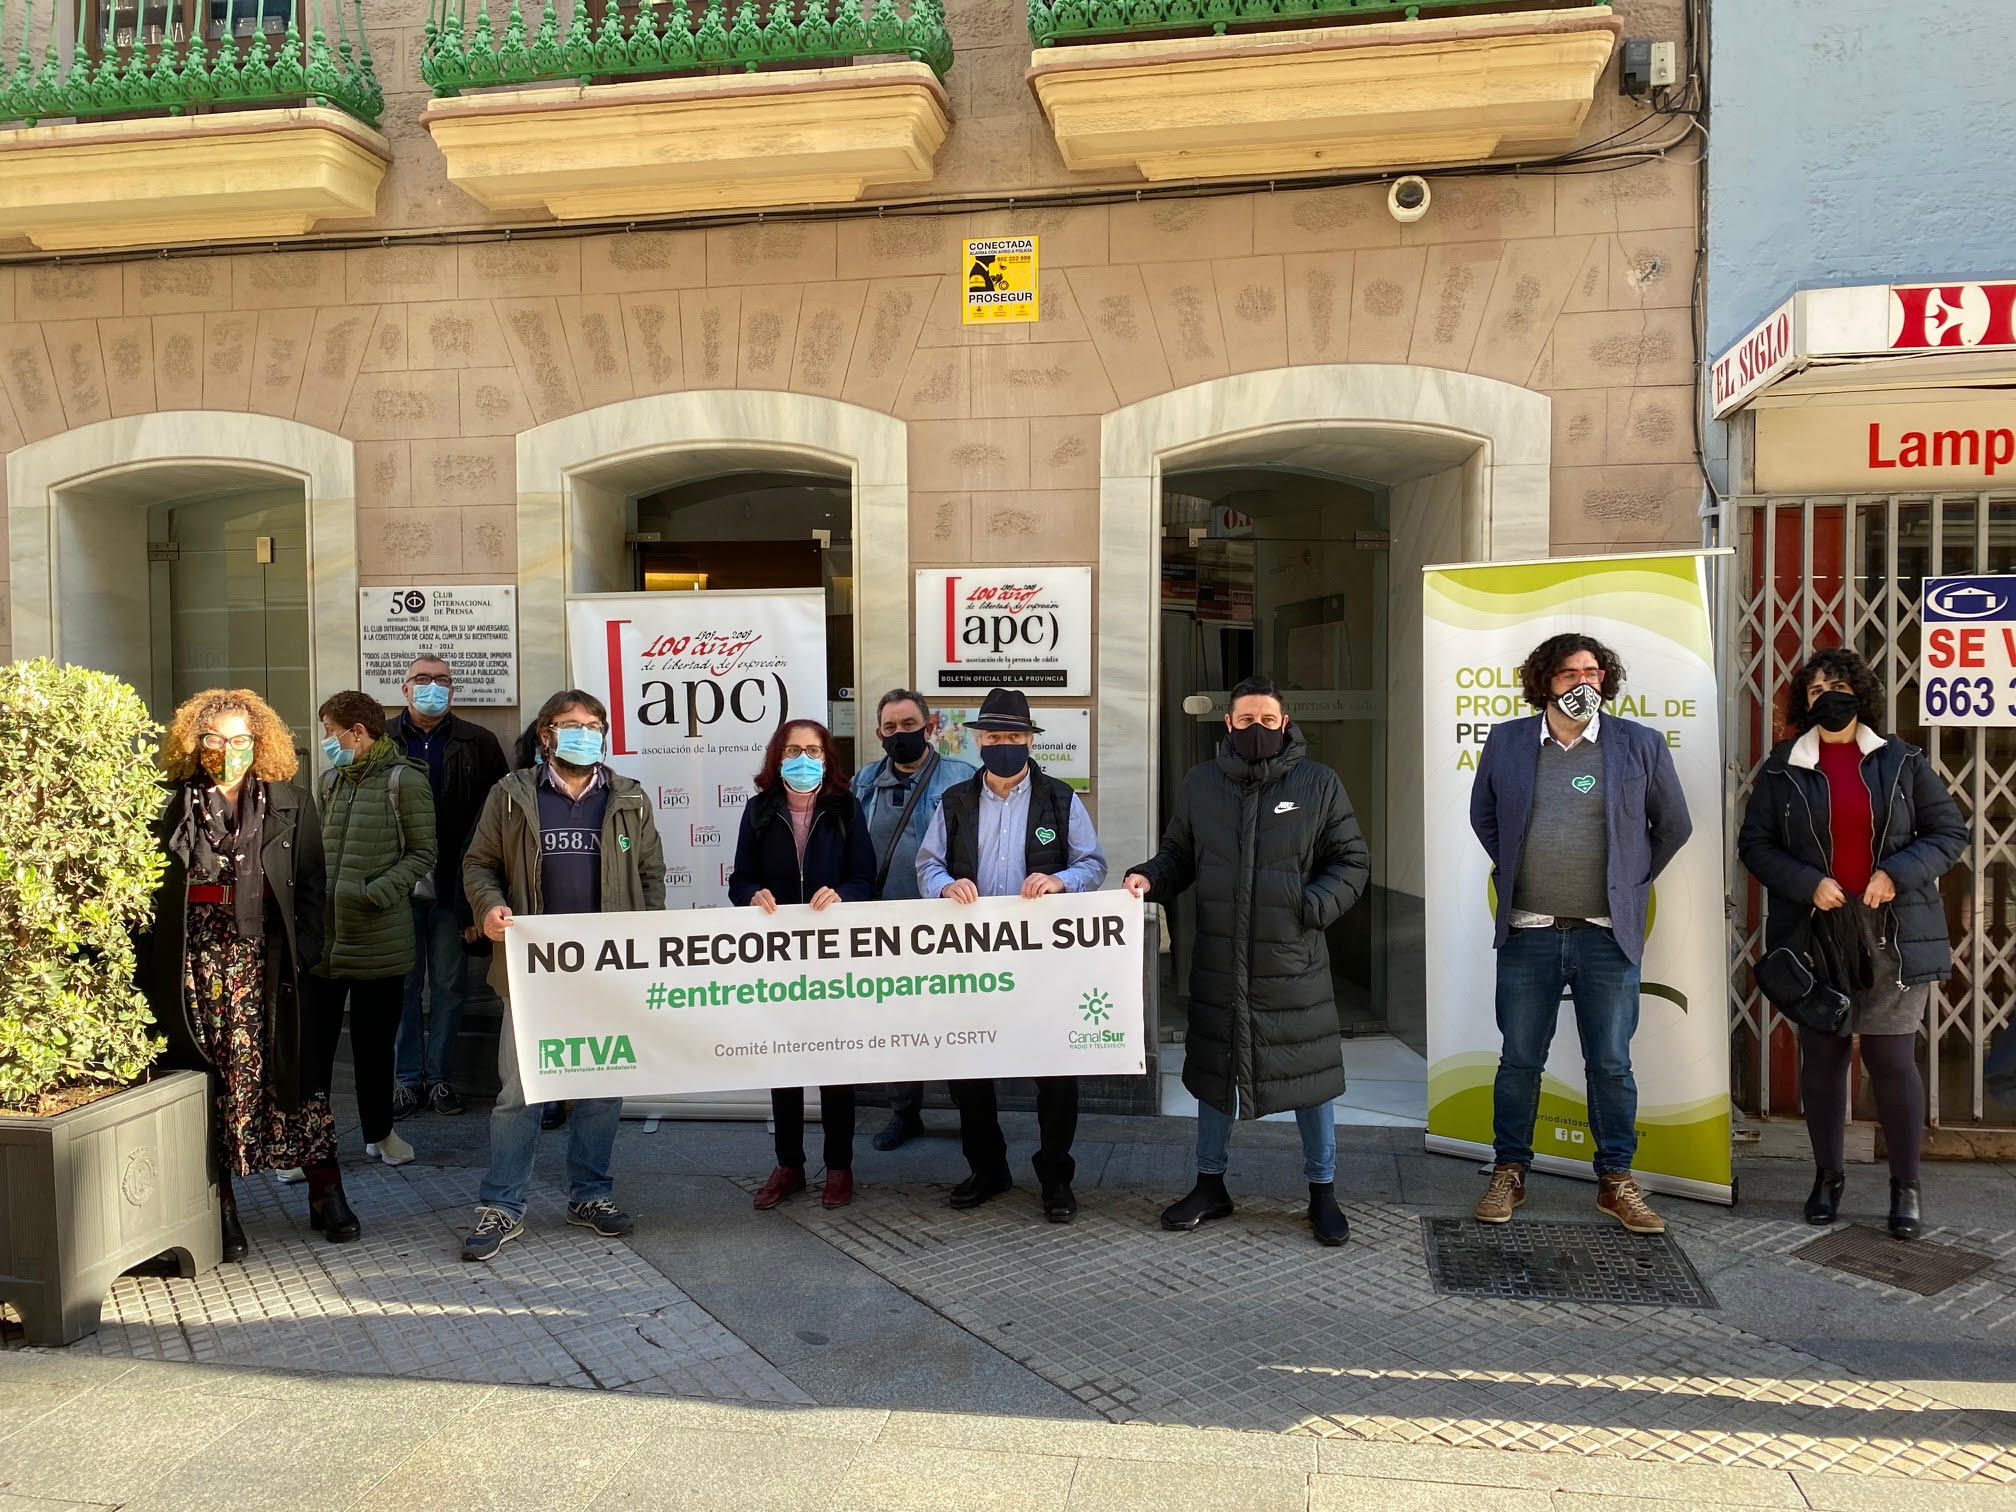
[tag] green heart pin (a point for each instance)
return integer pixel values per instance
(1046, 834)
(622, 842)
(1584, 783)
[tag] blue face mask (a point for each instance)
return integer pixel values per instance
(581, 748)
(803, 774)
(336, 753)
(431, 699)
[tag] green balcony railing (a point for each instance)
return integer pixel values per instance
(1053, 21)
(130, 57)
(662, 37)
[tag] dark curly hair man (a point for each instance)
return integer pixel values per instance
(1536, 673)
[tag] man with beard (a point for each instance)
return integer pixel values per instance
(1578, 811)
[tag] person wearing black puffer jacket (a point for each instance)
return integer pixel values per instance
(1270, 840)
(804, 840)
(1843, 817)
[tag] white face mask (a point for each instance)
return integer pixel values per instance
(1580, 702)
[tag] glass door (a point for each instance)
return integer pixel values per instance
(1283, 574)
(228, 599)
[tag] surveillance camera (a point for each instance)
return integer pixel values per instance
(1407, 200)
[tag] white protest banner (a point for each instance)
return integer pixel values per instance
(1967, 651)
(1480, 623)
(648, 1004)
(475, 627)
(1014, 627)
(695, 684)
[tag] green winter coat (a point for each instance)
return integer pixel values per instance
(374, 856)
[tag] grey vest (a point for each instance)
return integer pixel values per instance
(1564, 865)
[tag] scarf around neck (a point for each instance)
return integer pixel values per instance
(219, 848)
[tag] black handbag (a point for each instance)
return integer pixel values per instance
(1801, 982)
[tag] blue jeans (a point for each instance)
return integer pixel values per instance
(1319, 1141)
(1534, 967)
(514, 1139)
(422, 1058)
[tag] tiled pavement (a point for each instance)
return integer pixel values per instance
(1246, 1324)
(558, 1307)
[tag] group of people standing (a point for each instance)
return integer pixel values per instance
(279, 909)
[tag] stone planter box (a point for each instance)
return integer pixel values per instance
(673, 146)
(261, 174)
(92, 1192)
(1457, 89)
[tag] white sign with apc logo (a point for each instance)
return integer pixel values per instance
(1967, 651)
(1018, 627)
(476, 628)
(695, 684)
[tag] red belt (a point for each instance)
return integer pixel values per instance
(202, 893)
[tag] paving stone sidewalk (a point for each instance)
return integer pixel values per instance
(1240, 1367)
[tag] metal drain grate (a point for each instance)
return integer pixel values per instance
(1910, 1265)
(1536, 1261)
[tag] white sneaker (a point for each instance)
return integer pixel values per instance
(393, 1150)
(292, 1175)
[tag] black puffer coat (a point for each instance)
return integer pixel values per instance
(1786, 844)
(1276, 855)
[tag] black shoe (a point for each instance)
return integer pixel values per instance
(899, 1131)
(1060, 1203)
(331, 1215)
(235, 1247)
(442, 1099)
(1825, 1200)
(976, 1189)
(553, 1115)
(1207, 1200)
(601, 1215)
(1905, 1219)
(406, 1101)
(1326, 1220)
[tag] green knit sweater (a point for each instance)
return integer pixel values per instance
(374, 857)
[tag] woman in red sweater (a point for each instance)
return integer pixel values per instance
(1843, 817)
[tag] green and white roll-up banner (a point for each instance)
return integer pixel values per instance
(1480, 622)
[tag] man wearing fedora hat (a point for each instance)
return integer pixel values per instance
(1011, 830)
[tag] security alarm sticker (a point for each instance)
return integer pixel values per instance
(1000, 275)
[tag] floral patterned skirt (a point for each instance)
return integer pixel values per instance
(224, 976)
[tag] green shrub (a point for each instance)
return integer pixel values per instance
(78, 868)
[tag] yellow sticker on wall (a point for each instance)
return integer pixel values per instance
(1000, 275)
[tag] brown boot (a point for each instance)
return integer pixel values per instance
(1619, 1196)
(1506, 1192)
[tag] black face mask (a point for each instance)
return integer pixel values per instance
(1835, 711)
(905, 747)
(1005, 760)
(1256, 743)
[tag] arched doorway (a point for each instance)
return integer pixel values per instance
(1346, 481)
(220, 551)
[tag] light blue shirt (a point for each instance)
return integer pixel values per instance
(1003, 840)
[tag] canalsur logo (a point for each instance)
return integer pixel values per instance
(1096, 1007)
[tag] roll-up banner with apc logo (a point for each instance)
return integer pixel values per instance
(695, 684)
(1479, 625)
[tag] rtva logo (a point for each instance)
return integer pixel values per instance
(567, 1054)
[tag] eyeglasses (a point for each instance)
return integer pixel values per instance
(803, 750)
(215, 742)
(428, 680)
(591, 724)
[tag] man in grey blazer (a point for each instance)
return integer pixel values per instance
(1578, 811)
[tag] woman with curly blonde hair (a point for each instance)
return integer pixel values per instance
(237, 926)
